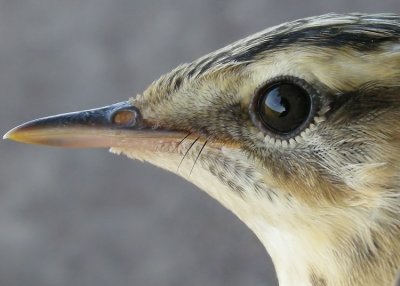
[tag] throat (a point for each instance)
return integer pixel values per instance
(326, 258)
(295, 259)
(323, 245)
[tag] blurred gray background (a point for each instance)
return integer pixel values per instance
(87, 217)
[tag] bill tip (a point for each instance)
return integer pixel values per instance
(7, 135)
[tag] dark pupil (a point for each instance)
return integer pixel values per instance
(283, 107)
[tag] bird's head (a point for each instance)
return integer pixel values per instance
(295, 129)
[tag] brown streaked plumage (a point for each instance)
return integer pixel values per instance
(323, 197)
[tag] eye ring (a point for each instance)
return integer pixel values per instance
(284, 106)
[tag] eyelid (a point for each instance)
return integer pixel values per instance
(254, 104)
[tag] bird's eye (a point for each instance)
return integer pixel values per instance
(283, 107)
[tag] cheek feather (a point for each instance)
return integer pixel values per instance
(294, 129)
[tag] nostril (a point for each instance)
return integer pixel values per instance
(124, 117)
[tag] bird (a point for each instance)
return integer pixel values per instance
(295, 129)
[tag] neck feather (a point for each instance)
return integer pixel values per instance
(325, 246)
(367, 255)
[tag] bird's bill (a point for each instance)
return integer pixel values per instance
(117, 125)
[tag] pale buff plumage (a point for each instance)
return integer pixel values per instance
(326, 202)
